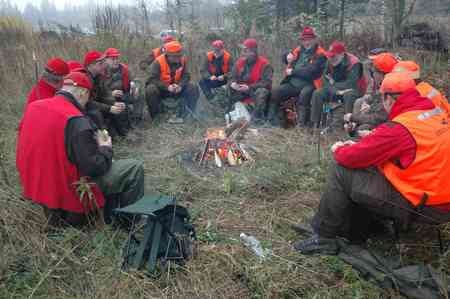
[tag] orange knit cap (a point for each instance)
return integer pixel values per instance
(397, 83)
(384, 62)
(408, 66)
(173, 47)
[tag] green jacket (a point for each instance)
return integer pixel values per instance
(343, 77)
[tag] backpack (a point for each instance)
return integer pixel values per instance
(176, 240)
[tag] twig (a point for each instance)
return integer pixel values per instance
(51, 270)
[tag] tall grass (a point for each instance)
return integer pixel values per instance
(278, 191)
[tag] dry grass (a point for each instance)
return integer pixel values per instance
(280, 189)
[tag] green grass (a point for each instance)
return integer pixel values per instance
(263, 199)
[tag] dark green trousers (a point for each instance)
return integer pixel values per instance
(354, 198)
(324, 95)
(286, 90)
(122, 185)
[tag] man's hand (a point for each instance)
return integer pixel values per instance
(213, 78)
(364, 133)
(117, 93)
(103, 139)
(235, 86)
(364, 107)
(347, 117)
(243, 87)
(349, 127)
(290, 58)
(117, 108)
(177, 88)
(221, 78)
(340, 143)
(171, 88)
(289, 71)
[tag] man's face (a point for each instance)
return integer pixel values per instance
(249, 54)
(112, 62)
(174, 58)
(377, 77)
(388, 102)
(336, 59)
(99, 67)
(59, 84)
(308, 43)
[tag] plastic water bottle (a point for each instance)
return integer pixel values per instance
(253, 244)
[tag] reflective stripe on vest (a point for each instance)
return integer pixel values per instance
(319, 52)
(429, 172)
(225, 66)
(439, 100)
(165, 73)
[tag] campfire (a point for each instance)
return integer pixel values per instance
(221, 148)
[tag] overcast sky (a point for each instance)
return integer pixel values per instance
(60, 3)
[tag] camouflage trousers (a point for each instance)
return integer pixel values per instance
(260, 96)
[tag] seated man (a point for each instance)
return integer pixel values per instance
(251, 80)
(368, 111)
(343, 78)
(155, 53)
(305, 65)
(51, 80)
(169, 78)
(424, 88)
(75, 66)
(100, 104)
(215, 69)
(116, 85)
(68, 151)
(396, 172)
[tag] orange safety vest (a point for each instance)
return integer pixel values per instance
(157, 52)
(165, 73)
(226, 63)
(426, 179)
(256, 71)
(438, 99)
(319, 52)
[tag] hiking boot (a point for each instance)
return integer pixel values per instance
(175, 120)
(303, 228)
(317, 245)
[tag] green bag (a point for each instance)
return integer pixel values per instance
(166, 236)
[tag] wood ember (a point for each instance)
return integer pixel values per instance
(221, 148)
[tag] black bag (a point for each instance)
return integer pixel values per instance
(170, 231)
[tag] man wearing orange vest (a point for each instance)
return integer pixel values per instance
(399, 171)
(368, 111)
(251, 80)
(155, 53)
(215, 69)
(305, 65)
(424, 88)
(170, 78)
(67, 149)
(343, 79)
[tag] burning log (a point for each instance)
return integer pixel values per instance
(221, 148)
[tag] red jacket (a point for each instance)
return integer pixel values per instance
(389, 141)
(47, 176)
(42, 90)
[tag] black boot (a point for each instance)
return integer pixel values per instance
(273, 115)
